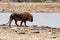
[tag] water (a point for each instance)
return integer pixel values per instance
(41, 19)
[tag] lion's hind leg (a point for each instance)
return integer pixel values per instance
(16, 23)
(10, 20)
(21, 23)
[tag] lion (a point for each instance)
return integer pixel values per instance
(23, 17)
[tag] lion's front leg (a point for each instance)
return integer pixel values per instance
(25, 23)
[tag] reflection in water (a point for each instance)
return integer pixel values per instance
(42, 19)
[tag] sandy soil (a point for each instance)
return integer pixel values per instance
(29, 33)
(30, 7)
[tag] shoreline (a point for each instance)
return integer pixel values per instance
(29, 33)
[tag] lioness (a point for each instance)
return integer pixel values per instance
(23, 17)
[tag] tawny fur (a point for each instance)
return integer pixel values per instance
(23, 17)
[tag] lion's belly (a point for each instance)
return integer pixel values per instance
(18, 19)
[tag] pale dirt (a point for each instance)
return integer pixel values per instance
(30, 7)
(15, 34)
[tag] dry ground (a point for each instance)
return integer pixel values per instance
(28, 33)
(30, 7)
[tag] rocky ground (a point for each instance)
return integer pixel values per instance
(29, 33)
(30, 7)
